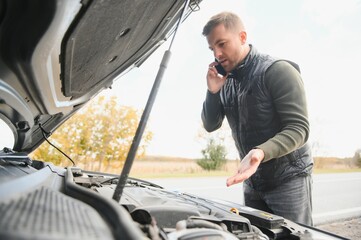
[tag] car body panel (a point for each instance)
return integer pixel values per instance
(56, 55)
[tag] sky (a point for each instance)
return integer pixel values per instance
(322, 37)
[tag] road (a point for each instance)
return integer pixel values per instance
(335, 196)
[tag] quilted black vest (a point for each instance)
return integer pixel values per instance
(253, 119)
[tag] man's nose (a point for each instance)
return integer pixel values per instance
(217, 53)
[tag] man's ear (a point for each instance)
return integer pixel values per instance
(243, 37)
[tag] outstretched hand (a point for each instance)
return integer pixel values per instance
(248, 167)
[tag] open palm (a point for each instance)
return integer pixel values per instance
(248, 167)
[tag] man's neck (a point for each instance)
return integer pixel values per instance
(245, 51)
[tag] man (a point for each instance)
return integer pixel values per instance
(264, 102)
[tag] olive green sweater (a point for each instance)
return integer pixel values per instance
(287, 90)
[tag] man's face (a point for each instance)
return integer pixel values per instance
(227, 46)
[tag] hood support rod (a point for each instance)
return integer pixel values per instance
(143, 121)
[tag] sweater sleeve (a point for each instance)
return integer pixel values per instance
(212, 112)
(287, 90)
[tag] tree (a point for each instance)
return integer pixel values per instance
(222, 136)
(357, 157)
(98, 137)
(214, 156)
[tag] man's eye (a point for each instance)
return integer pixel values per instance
(221, 44)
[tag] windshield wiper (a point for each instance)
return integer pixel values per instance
(9, 155)
(139, 182)
(131, 181)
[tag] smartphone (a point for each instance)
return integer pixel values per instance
(220, 69)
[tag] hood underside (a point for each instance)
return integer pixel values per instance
(56, 55)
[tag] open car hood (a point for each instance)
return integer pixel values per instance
(56, 55)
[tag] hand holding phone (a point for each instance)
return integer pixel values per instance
(216, 77)
(220, 69)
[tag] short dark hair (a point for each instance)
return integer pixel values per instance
(230, 21)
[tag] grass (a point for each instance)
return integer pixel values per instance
(170, 167)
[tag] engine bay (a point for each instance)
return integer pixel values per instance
(43, 201)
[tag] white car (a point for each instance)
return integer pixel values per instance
(55, 55)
